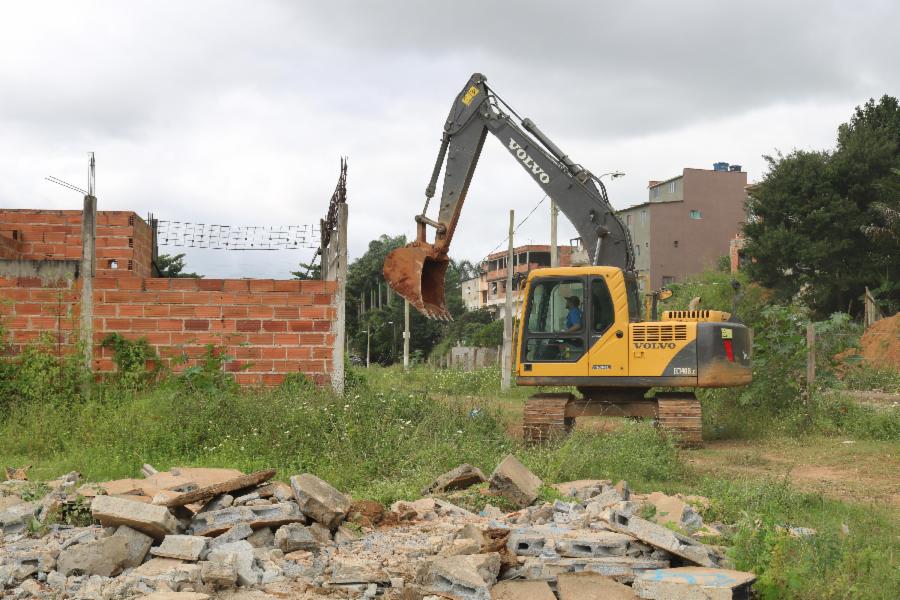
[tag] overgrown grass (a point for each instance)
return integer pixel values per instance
(393, 432)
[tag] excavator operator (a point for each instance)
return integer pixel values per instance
(573, 318)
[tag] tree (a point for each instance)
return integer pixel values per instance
(173, 266)
(809, 216)
(311, 270)
(384, 319)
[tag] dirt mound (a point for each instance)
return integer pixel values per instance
(880, 344)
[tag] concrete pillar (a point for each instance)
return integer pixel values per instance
(86, 272)
(340, 275)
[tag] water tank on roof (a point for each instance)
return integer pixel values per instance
(720, 166)
(735, 168)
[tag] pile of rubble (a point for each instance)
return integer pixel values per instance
(218, 533)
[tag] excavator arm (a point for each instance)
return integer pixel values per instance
(417, 271)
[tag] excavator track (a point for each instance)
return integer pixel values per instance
(545, 419)
(680, 414)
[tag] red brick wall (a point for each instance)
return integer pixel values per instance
(122, 236)
(270, 328)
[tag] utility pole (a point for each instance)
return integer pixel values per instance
(554, 249)
(406, 334)
(506, 375)
(368, 343)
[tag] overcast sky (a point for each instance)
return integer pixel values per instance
(237, 112)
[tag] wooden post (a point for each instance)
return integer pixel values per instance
(368, 343)
(810, 359)
(87, 269)
(406, 334)
(506, 374)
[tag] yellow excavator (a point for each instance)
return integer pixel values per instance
(579, 326)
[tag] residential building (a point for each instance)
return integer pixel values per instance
(488, 288)
(686, 224)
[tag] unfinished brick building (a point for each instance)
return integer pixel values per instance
(271, 327)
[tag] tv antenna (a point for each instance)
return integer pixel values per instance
(92, 179)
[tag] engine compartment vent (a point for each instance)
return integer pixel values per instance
(658, 333)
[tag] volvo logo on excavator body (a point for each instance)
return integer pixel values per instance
(528, 161)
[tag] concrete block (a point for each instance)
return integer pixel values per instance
(469, 577)
(665, 539)
(218, 503)
(621, 568)
(522, 590)
(460, 478)
(582, 489)
(319, 501)
(157, 566)
(215, 522)
(243, 560)
(182, 547)
(694, 583)
(138, 545)
(512, 480)
(155, 521)
(591, 586)
(105, 557)
(593, 544)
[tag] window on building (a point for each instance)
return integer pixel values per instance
(696, 215)
(637, 249)
(644, 217)
(668, 280)
(671, 187)
(628, 220)
(654, 193)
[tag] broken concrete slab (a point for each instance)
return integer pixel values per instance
(138, 545)
(16, 518)
(591, 586)
(320, 501)
(157, 566)
(522, 590)
(295, 536)
(694, 583)
(211, 491)
(243, 560)
(262, 538)
(215, 522)
(350, 571)
(665, 539)
(105, 557)
(675, 511)
(512, 480)
(176, 596)
(468, 576)
(241, 531)
(221, 572)
(183, 547)
(155, 521)
(460, 478)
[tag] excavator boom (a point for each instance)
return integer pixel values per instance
(417, 271)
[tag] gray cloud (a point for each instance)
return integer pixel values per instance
(236, 112)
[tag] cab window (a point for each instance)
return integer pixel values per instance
(555, 321)
(603, 314)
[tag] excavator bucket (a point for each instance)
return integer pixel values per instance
(416, 272)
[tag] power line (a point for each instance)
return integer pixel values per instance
(522, 222)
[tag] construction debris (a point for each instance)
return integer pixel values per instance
(309, 540)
